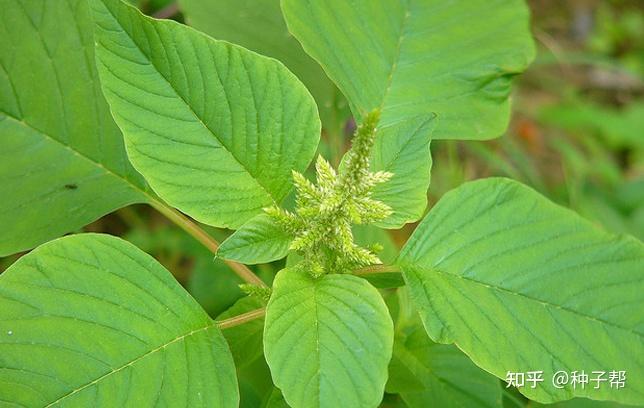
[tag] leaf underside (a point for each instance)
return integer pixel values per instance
(90, 320)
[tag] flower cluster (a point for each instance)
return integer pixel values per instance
(324, 213)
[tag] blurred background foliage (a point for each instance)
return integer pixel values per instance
(576, 135)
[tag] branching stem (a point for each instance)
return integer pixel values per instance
(209, 242)
(241, 319)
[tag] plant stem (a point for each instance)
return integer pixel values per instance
(241, 319)
(376, 269)
(209, 242)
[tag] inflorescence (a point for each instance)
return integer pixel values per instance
(324, 212)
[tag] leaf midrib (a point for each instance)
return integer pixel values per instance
(132, 362)
(530, 298)
(248, 244)
(396, 59)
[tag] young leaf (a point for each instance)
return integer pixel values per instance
(260, 27)
(521, 284)
(260, 240)
(403, 150)
(328, 340)
(62, 160)
(411, 58)
(90, 320)
(215, 129)
(425, 373)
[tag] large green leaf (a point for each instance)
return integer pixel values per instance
(259, 26)
(328, 340)
(260, 240)
(91, 321)
(215, 129)
(62, 161)
(410, 58)
(521, 284)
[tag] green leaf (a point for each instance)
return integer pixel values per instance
(521, 284)
(215, 129)
(328, 340)
(62, 160)
(260, 240)
(90, 320)
(414, 58)
(259, 26)
(245, 340)
(403, 150)
(426, 373)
